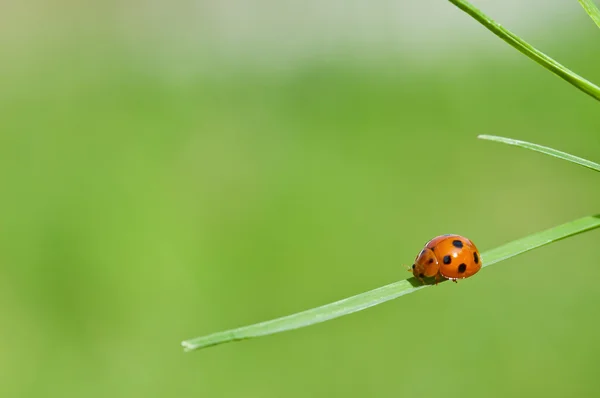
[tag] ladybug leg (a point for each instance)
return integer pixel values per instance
(437, 278)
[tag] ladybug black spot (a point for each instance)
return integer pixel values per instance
(462, 268)
(457, 243)
(476, 257)
(430, 261)
(447, 259)
(432, 248)
(413, 267)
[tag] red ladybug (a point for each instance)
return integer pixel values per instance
(450, 256)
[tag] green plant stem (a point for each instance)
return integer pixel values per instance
(386, 293)
(543, 149)
(592, 10)
(527, 49)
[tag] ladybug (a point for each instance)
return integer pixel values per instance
(449, 256)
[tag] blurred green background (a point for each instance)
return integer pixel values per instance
(174, 170)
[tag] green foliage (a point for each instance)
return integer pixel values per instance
(592, 10)
(530, 51)
(385, 293)
(545, 150)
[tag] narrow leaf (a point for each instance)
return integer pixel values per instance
(592, 10)
(527, 49)
(385, 293)
(548, 151)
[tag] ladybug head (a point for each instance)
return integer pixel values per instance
(426, 264)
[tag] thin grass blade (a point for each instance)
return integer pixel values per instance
(530, 51)
(385, 293)
(592, 10)
(543, 149)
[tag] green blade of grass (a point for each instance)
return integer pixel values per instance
(592, 10)
(385, 293)
(548, 151)
(527, 49)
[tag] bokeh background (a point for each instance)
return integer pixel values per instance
(174, 169)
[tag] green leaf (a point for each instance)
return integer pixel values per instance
(548, 151)
(592, 10)
(388, 292)
(527, 49)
